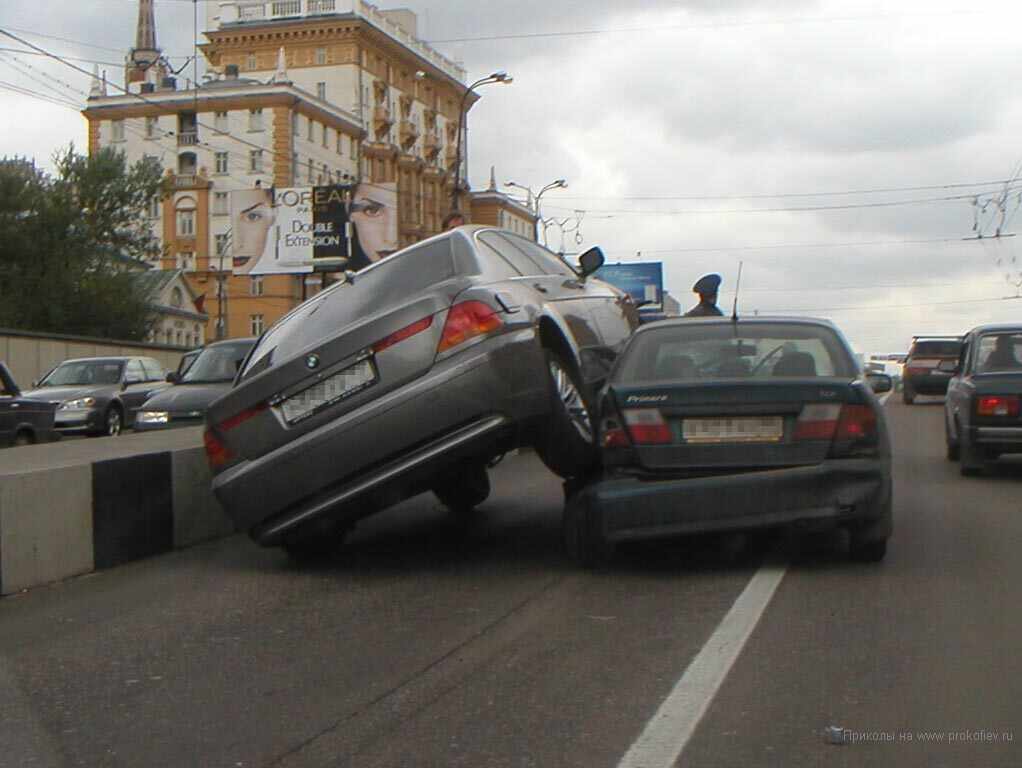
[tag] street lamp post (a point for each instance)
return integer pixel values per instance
(532, 201)
(496, 77)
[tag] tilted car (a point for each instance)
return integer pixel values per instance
(208, 377)
(712, 424)
(926, 367)
(982, 414)
(23, 421)
(410, 376)
(99, 395)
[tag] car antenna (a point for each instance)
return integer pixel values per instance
(738, 285)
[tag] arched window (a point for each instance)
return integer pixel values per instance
(187, 164)
(177, 297)
(185, 217)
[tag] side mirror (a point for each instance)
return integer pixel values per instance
(173, 378)
(590, 261)
(948, 366)
(880, 382)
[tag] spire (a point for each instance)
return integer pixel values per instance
(280, 76)
(493, 178)
(98, 88)
(145, 35)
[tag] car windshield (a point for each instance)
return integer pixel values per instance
(999, 353)
(702, 352)
(84, 373)
(936, 349)
(216, 364)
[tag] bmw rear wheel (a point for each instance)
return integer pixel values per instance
(566, 442)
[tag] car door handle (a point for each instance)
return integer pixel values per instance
(539, 287)
(507, 302)
(569, 283)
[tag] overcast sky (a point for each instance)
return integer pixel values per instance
(682, 128)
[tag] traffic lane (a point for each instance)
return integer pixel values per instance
(924, 644)
(421, 637)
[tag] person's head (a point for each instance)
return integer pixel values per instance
(453, 219)
(373, 210)
(707, 287)
(252, 220)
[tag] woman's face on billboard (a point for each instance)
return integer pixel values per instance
(372, 213)
(252, 226)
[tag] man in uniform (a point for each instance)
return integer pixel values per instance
(706, 287)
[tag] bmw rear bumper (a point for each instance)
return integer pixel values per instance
(389, 448)
(847, 492)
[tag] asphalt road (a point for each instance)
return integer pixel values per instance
(428, 644)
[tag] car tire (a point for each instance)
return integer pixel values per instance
(972, 457)
(584, 541)
(953, 451)
(868, 551)
(463, 490)
(113, 423)
(566, 439)
(24, 438)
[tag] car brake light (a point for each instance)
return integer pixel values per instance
(218, 454)
(646, 426)
(406, 332)
(466, 321)
(997, 405)
(613, 434)
(858, 422)
(241, 417)
(817, 421)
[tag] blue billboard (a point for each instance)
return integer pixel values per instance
(642, 280)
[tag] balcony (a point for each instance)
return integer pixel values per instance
(408, 132)
(382, 117)
(431, 144)
(322, 6)
(188, 138)
(280, 8)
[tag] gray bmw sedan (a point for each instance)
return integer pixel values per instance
(411, 376)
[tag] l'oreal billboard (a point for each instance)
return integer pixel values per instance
(642, 280)
(283, 231)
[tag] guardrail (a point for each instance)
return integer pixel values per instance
(71, 508)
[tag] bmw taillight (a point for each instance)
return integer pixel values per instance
(217, 452)
(997, 405)
(468, 320)
(404, 333)
(646, 426)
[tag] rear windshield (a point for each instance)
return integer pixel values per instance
(753, 351)
(386, 283)
(936, 349)
(999, 353)
(217, 364)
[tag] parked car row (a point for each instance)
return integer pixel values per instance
(413, 374)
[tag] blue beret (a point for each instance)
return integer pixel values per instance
(707, 284)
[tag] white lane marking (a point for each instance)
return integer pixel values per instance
(670, 729)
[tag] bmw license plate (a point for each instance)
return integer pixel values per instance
(739, 429)
(342, 384)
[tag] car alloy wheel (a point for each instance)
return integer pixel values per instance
(572, 401)
(113, 422)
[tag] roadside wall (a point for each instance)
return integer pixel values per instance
(30, 355)
(71, 508)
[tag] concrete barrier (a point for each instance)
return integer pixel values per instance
(72, 507)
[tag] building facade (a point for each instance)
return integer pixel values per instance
(298, 93)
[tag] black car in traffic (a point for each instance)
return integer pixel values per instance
(99, 395)
(23, 421)
(927, 368)
(982, 411)
(209, 376)
(715, 424)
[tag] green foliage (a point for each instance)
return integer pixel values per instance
(67, 244)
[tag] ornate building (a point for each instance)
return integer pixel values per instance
(297, 93)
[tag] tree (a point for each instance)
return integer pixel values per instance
(68, 244)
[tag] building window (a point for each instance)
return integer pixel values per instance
(321, 91)
(326, 173)
(326, 137)
(255, 161)
(255, 119)
(117, 130)
(221, 204)
(220, 122)
(256, 287)
(252, 62)
(311, 172)
(177, 298)
(186, 223)
(221, 164)
(152, 125)
(154, 207)
(312, 130)
(222, 242)
(321, 55)
(186, 261)
(340, 143)
(256, 324)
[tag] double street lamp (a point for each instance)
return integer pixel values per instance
(530, 199)
(497, 77)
